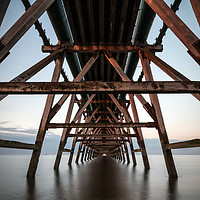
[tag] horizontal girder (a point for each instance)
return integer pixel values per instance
(99, 87)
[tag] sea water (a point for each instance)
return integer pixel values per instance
(100, 179)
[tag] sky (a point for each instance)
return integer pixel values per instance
(20, 115)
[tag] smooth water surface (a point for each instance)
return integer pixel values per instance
(102, 178)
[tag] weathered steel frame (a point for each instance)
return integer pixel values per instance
(174, 23)
(161, 126)
(42, 129)
(178, 27)
(12, 36)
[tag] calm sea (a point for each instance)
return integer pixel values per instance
(102, 178)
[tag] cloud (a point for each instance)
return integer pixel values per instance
(4, 122)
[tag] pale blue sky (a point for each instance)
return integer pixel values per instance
(181, 112)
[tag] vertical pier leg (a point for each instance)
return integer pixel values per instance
(139, 131)
(132, 149)
(73, 145)
(86, 153)
(83, 152)
(122, 153)
(42, 129)
(161, 127)
(63, 137)
(79, 151)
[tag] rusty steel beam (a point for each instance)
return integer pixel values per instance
(102, 112)
(73, 145)
(184, 144)
(196, 7)
(84, 132)
(38, 25)
(66, 130)
(163, 30)
(101, 135)
(26, 75)
(178, 27)
(78, 78)
(102, 140)
(13, 35)
(92, 48)
(125, 78)
(161, 126)
(4, 6)
(44, 120)
(102, 101)
(101, 125)
(174, 74)
(17, 145)
(139, 132)
(137, 150)
(152, 87)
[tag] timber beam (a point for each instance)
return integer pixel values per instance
(101, 125)
(92, 48)
(184, 144)
(90, 87)
(17, 145)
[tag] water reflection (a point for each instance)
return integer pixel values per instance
(30, 187)
(104, 178)
(172, 189)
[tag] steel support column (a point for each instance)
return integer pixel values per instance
(178, 27)
(161, 126)
(42, 129)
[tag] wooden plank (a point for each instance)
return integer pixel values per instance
(92, 48)
(184, 144)
(11, 37)
(178, 27)
(101, 125)
(98, 87)
(17, 145)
